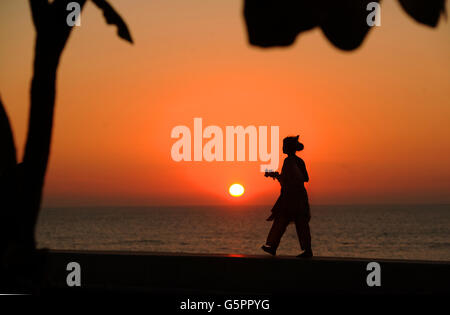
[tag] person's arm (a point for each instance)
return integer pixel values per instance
(305, 172)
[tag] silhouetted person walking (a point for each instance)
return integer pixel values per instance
(292, 205)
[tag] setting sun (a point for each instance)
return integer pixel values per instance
(236, 190)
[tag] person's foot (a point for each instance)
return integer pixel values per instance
(269, 249)
(306, 254)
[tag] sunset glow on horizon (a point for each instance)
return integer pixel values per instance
(374, 122)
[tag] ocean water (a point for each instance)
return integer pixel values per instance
(405, 232)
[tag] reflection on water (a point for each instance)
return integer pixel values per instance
(409, 232)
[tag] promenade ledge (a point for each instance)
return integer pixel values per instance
(178, 273)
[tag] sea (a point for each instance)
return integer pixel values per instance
(419, 232)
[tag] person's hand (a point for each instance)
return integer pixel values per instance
(274, 175)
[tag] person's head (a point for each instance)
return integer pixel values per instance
(292, 145)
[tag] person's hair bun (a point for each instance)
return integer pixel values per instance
(292, 144)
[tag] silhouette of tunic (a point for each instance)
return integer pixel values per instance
(292, 204)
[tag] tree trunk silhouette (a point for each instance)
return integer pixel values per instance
(7, 166)
(21, 184)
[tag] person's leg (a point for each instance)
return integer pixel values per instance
(276, 232)
(304, 234)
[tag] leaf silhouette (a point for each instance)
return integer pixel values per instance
(425, 12)
(273, 23)
(112, 17)
(344, 23)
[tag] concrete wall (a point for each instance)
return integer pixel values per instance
(234, 274)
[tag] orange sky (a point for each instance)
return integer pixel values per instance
(375, 122)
